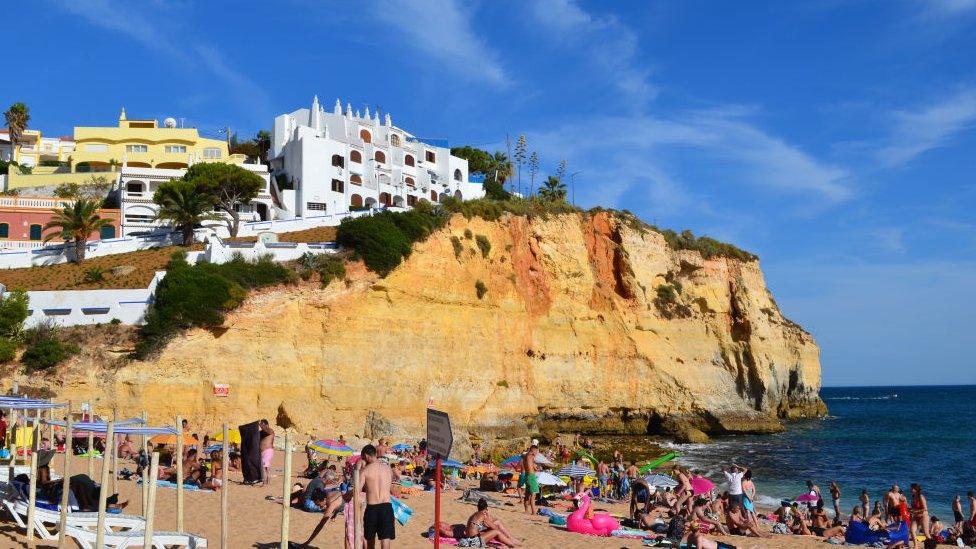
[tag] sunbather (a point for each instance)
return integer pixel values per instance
(482, 529)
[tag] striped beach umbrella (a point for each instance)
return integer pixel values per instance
(575, 471)
(658, 480)
(331, 447)
(510, 461)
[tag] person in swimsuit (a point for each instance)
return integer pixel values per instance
(818, 519)
(865, 502)
(957, 512)
(972, 507)
(481, 530)
(684, 489)
(749, 496)
(835, 497)
(919, 513)
(531, 481)
(325, 497)
(376, 479)
(267, 451)
(640, 492)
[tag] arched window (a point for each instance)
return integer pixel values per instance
(386, 199)
(395, 140)
(356, 201)
(364, 135)
(4, 230)
(337, 160)
(408, 160)
(106, 232)
(356, 156)
(457, 194)
(457, 175)
(355, 179)
(433, 196)
(35, 232)
(409, 181)
(379, 156)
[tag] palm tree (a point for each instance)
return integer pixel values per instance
(553, 189)
(75, 222)
(18, 115)
(184, 206)
(501, 166)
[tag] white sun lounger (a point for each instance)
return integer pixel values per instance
(88, 521)
(122, 540)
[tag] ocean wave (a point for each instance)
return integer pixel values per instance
(882, 397)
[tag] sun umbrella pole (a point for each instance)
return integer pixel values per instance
(179, 474)
(91, 450)
(151, 501)
(145, 469)
(32, 500)
(65, 480)
(225, 464)
(36, 431)
(114, 455)
(357, 527)
(103, 491)
(13, 443)
(286, 501)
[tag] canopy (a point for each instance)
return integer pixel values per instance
(575, 471)
(658, 480)
(94, 425)
(452, 464)
(331, 447)
(233, 436)
(169, 437)
(549, 479)
(24, 403)
(658, 462)
(132, 426)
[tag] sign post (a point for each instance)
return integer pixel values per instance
(439, 442)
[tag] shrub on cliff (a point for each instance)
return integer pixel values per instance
(47, 352)
(200, 295)
(13, 312)
(8, 350)
(329, 267)
(383, 240)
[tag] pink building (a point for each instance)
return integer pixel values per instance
(22, 221)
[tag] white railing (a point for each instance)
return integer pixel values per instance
(59, 253)
(30, 202)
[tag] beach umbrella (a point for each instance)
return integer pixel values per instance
(233, 436)
(452, 464)
(658, 480)
(331, 447)
(188, 439)
(575, 471)
(401, 447)
(511, 461)
(701, 485)
(807, 498)
(549, 479)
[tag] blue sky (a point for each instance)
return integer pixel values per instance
(836, 139)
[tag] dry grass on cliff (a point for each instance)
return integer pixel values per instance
(136, 271)
(318, 234)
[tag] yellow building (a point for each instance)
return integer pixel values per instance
(144, 144)
(34, 150)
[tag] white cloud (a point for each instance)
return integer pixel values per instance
(442, 30)
(917, 131)
(137, 22)
(890, 239)
(605, 41)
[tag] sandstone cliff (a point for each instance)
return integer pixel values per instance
(572, 334)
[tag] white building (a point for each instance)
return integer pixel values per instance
(333, 162)
(137, 186)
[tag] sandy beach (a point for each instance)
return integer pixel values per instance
(255, 521)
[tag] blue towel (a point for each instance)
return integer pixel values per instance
(401, 511)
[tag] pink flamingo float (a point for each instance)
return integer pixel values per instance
(600, 525)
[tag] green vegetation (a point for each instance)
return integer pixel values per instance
(13, 312)
(329, 267)
(200, 295)
(94, 275)
(668, 302)
(458, 247)
(483, 244)
(491, 210)
(480, 289)
(183, 205)
(8, 350)
(468, 234)
(256, 147)
(17, 118)
(47, 351)
(553, 189)
(383, 240)
(75, 223)
(226, 185)
(503, 383)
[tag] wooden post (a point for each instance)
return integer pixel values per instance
(151, 510)
(356, 494)
(91, 448)
(65, 481)
(36, 431)
(32, 500)
(179, 474)
(103, 491)
(286, 502)
(224, 485)
(113, 444)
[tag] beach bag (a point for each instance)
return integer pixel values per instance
(401, 512)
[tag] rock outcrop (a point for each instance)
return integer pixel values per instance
(588, 324)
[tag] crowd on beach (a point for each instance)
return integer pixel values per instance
(667, 504)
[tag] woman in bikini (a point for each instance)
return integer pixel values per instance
(683, 490)
(748, 497)
(919, 512)
(479, 531)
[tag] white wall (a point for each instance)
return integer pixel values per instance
(80, 307)
(52, 255)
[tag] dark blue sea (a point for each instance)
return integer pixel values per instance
(873, 437)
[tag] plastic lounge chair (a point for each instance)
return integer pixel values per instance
(86, 520)
(122, 540)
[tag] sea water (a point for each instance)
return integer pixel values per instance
(872, 438)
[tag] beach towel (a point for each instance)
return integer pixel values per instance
(401, 511)
(251, 452)
(630, 533)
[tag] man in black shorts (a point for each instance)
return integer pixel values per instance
(376, 478)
